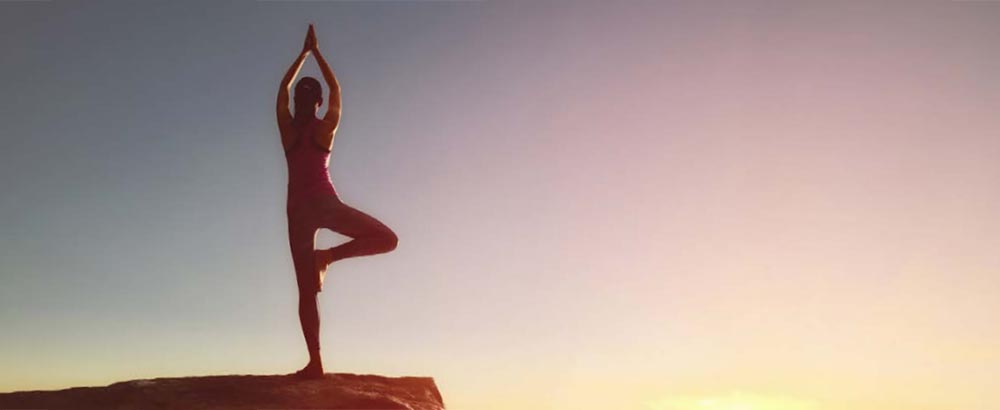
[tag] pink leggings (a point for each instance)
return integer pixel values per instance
(305, 218)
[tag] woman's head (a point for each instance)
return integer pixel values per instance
(308, 92)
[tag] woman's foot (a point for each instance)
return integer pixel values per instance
(323, 260)
(313, 370)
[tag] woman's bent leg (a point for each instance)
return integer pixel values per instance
(370, 236)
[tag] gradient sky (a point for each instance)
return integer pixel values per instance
(601, 205)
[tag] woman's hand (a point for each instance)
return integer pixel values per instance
(310, 43)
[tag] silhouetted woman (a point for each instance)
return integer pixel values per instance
(312, 201)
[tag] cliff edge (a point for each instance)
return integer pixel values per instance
(335, 391)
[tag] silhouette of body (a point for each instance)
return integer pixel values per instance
(313, 202)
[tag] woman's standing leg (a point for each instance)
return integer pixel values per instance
(301, 237)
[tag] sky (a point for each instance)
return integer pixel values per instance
(638, 205)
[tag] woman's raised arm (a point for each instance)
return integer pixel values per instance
(284, 115)
(333, 109)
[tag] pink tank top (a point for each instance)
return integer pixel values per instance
(308, 170)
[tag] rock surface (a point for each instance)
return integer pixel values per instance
(335, 391)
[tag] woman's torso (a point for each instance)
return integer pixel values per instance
(308, 166)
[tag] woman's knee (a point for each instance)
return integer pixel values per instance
(307, 298)
(307, 301)
(386, 240)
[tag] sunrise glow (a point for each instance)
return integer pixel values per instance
(600, 205)
(733, 401)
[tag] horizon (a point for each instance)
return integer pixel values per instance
(643, 205)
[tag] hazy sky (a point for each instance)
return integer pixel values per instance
(601, 205)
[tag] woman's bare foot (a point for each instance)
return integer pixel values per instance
(313, 370)
(323, 259)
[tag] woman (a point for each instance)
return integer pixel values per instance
(312, 201)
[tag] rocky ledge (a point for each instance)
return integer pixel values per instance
(334, 391)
